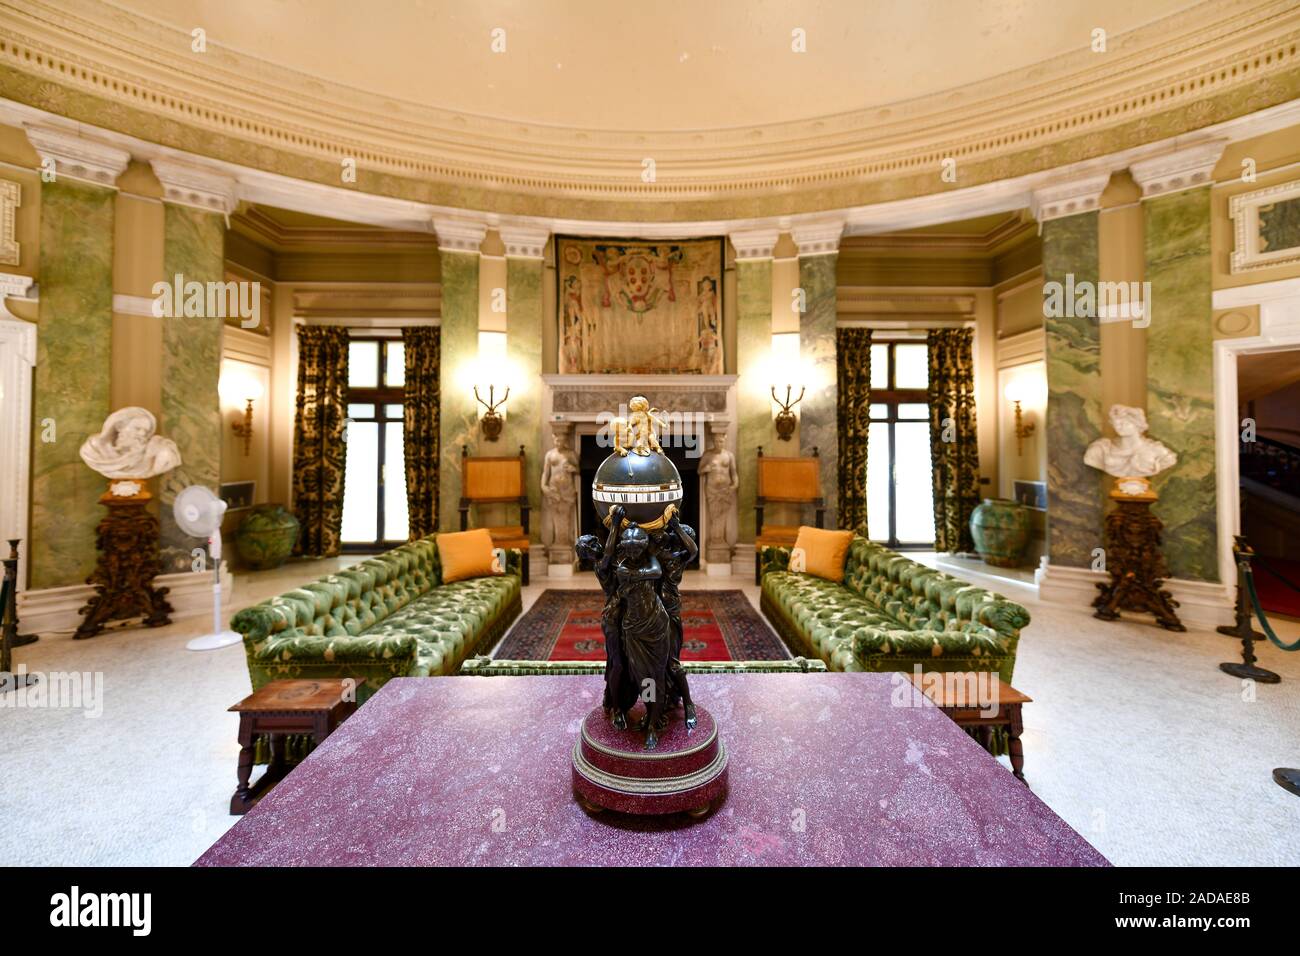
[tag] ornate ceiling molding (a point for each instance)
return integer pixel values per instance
(1181, 169)
(78, 157)
(99, 64)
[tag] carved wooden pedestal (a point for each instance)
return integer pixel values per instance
(128, 562)
(1136, 565)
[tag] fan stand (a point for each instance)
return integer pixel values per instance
(218, 638)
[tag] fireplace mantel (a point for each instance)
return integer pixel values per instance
(591, 398)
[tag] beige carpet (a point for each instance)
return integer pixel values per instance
(1135, 738)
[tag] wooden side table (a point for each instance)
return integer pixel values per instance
(950, 696)
(314, 707)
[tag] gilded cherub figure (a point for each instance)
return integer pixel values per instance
(640, 426)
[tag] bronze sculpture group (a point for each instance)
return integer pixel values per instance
(641, 573)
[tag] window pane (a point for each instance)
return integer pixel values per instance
(395, 372)
(913, 410)
(363, 364)
(911, 369)
(878, 481)
(877, 410)
(880, 366)
(360, 490)
(361, 411)
(915, 495)
(397, 525)
(392, 411)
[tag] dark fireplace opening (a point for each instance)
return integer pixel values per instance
(591, 454)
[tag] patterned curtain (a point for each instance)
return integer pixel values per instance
(853, 365)
(319, 450)
(420, 431)
(954, 441)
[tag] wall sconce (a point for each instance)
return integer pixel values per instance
(785, 360)
(491, 421)
(492, 363)
(236, 387)
(1019, 390)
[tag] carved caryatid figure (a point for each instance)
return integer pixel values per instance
(721, 482)
(126, 447)
(1131, 454)
(559, 492)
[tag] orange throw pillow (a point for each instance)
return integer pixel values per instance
(821, 553)
(467, 554)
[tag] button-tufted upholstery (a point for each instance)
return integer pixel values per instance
(890, 614)
(388, 616)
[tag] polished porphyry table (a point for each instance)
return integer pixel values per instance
(825, 769)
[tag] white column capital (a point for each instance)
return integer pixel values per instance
(754, 243)
(1184, 168)
(459, 235)
(523, 242)
(1057, 200)
(189, 184)
(818, 238)
(78, 157)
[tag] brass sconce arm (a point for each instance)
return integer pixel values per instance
(1023, 430)
(492, 421)
(785, 419)
(244, 429)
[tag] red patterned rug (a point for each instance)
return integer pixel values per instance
(565, 626)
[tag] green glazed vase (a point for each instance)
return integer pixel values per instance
(266, 537)
(1000, 528)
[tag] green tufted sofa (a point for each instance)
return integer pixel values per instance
(384, 617)
(488, 667)
(890, 614)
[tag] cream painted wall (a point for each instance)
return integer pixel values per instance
(1277, 160)
(1122, 258)
(137, 265)
(16, 151)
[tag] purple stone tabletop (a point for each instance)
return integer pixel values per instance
(824, 771)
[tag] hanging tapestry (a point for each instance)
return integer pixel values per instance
(633, 307)
(853, 419)
(420, 426)
(954, 440)
(319, 450)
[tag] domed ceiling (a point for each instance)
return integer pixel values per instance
(669, 111)
(675, 65)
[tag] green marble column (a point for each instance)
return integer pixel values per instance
(753, 404)
(71, 382)
(458, 422)
(524, 350)
(194, 248)
(1075, 492)
(817, 425)
(1180, 378)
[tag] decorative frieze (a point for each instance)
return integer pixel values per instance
(818, 238)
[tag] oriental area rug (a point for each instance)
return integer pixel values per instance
(564, 625)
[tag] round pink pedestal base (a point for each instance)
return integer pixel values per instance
(685, 773)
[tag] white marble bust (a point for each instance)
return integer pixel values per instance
(1131, 454)
(126, 447)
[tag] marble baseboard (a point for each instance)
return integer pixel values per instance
(57, 610)
(1201, 604)
(742, 560)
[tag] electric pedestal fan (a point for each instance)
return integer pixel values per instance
(198, 512)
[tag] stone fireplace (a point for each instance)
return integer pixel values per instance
(697, 407)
